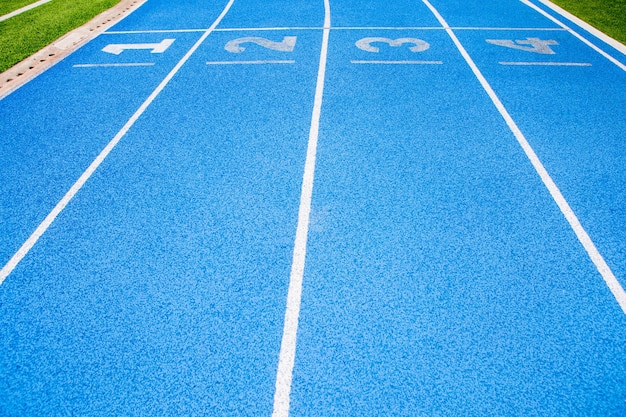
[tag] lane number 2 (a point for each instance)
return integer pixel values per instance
(286, 45)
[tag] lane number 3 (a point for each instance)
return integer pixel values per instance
(419, 45)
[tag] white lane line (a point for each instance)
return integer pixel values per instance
(398, 62)
(133, 32)
(595, 32)
(23, 9)
(583, 237)
(549, 64)
(576, 34)
(135, 64)
(250, 62)
(385, 28)
(439, 28)
(41, 229)
(287, 355)
(138, 32)
(555, 29)
(286, 28)
(269, 29)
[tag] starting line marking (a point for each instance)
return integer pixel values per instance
(248, 62)
(552, 64)
(136, 64)
(286, 28)
(399, 62)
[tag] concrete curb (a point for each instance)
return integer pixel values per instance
(39, 62)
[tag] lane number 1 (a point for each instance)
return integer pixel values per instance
(156, 48)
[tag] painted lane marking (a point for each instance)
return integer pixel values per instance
(570, 30)
(536, 45)
(287, 355)
(156, 48)
(508, 29)
(286, 45)
(259, 29)
(595, 32)
(41, 229)
(249, 62)
(553, 64)
(438, 28)
(136, 64)
(595, 256)
(23, 9)
(365, 44)
(398, 62)
(268, 29)
(139, 32)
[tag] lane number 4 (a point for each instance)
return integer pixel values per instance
(535, 45)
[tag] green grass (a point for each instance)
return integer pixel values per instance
(25, 34)
(8, 6)
(607, 15)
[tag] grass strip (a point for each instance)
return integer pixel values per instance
(8, 6)
(25, 34)
(609, 16)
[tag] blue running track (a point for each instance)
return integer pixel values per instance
(318, 208)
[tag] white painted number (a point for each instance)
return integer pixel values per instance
(365, 44)
(536, 45)
(287, 45)
(157, 48)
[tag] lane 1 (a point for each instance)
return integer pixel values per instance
(53, 127)
(160, 290)
(441, 278)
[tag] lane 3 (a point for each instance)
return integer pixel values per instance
(441, 277)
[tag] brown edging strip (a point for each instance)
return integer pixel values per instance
(37, 63)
